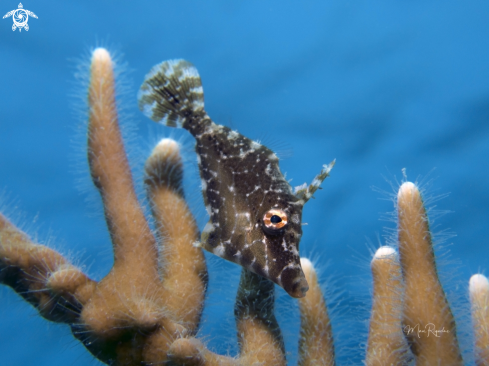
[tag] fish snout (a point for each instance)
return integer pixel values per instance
(295, 283)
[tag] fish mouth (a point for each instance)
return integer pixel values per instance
(299, 289)
(294, 283)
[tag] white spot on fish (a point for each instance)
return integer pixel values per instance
(255, 145)
(233, 135)
(272, 157)
(219, 251)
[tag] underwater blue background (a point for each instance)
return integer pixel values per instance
(378, 85)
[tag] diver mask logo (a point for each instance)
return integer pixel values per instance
(20, 17)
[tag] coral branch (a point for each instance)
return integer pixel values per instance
(316, 346)
(426, 307)
(42, 276)
(192, 352)
(386, 342)
(479, 297)
(134, 314)
(178, 231)
(259, 336)
(129, 314)
(134, 245)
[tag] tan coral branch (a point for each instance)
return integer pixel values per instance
(386, 342)
(134, 245)
(259, 337)
(128, 315)
(42, 276)
(426, 307)
(479, 298)
(316, 345)
(182, 267)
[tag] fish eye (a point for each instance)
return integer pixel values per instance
(274, 220)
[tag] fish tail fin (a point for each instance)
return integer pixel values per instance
(172, 94)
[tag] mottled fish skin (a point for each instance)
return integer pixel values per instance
(255, 216)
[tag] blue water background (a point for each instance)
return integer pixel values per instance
(378, 85)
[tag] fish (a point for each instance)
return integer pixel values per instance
(255, 217)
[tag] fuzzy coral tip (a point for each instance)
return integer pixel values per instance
(167, 146)
(100, 55)
(306, 265)
(384, 252)
(407, 188)
(478, 283)
(165, 162)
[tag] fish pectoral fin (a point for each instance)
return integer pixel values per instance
(206, 236)
(305, 192)
(197, 244)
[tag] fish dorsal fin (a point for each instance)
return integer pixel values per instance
(305, 192)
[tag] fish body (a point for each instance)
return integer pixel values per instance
(255, 215)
